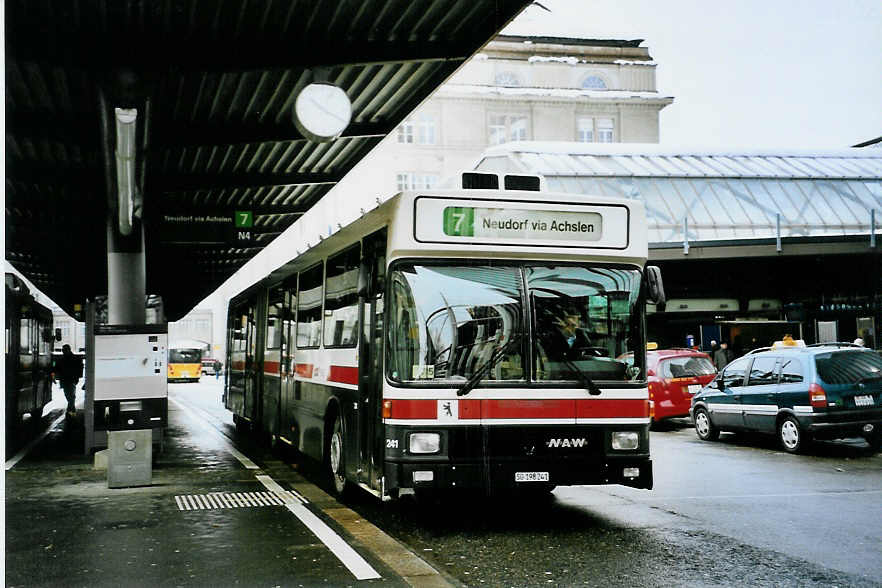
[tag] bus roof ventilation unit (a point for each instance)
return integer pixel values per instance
(480, 181)
(520, 182)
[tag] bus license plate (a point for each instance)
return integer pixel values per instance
(531, 476)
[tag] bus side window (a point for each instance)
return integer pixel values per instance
(309, 307)
(341, 299)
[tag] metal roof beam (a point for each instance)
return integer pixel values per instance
(183, 134)
(193, 182)
(144, 52)
(75, 129)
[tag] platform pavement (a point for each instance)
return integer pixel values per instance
(207, 519)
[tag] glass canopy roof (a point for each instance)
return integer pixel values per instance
(713, 195)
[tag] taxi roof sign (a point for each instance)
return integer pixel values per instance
(788, 341)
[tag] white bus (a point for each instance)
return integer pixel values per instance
(458, 339)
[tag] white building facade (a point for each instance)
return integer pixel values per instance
(522, 88)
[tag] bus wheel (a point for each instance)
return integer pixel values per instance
(875, 441)
(336, 463)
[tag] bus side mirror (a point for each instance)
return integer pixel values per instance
(364, 280)
(655, 289)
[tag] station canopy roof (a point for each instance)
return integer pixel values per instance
(713, 195)
(214, 83)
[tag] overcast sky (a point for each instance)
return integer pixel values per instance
(745, 73)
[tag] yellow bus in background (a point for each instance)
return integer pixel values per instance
(184, 363)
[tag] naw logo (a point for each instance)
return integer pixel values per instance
(565, 442)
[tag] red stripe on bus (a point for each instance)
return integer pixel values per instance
(414, 409)
(304, 369)
(473, 409)
(271, 367)
(344, 374)
(613, 408)
(469, 409)
(528, 409)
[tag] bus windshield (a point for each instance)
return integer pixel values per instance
(184, 355)
(446, 322)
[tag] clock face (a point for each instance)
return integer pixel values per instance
(322, 112)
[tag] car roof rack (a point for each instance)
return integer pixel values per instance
(835, 344)
(758, 350)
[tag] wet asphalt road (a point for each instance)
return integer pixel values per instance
(738, 512)
(735, 512)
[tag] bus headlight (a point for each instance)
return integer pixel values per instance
(424, 443)
(624, 440)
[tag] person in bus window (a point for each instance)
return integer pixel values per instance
(570, 338)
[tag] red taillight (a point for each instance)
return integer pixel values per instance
(818, 396)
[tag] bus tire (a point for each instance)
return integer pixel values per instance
(875, 441)
(241, 424)
(336, 461)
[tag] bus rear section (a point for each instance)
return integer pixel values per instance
(184, 364)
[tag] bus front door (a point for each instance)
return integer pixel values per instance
(370, 363)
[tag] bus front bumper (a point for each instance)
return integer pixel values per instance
(502, 476)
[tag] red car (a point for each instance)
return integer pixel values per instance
(674, 376)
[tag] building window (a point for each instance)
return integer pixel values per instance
(595, 130)
(425, 129)
(594, 83)
(585, 130)
(416, 181)
(507, 127)
(405, 132)
(604, 130)
(419, 130)
(507, 78)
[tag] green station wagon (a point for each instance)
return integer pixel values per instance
(796, 393)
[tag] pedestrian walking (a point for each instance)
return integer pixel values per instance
(723, 356)
(68, 371)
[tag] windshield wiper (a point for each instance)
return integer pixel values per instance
(587, 382)
(476, 377)
(583, 378)
(869, 377)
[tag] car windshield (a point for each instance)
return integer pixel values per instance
(184, 356)
(685, 367)
(848, 367)
(445, 322)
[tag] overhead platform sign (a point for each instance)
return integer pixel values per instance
(222, 229)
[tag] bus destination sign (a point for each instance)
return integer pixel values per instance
(503, 223)
(521, 223)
